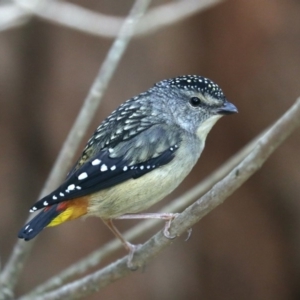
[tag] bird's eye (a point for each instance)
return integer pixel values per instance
(195, 101)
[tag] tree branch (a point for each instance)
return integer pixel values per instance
(12, 16)
(10, 274)
(265, 146)
(87, 21)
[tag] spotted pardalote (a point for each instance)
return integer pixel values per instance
(137, 156)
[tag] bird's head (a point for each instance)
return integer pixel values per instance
(195, 102)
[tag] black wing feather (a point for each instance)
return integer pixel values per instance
(107, 168)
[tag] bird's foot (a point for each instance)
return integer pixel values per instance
(131, 250)
(169, 218)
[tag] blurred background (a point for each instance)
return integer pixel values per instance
(247, 248)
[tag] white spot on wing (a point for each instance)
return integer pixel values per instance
(54, 197)
(45, 203)
(113, 168)
(96, 162)
(82, 176)
(119, 131)
(71, 187)
(103, 168)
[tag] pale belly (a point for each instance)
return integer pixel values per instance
(136, 195)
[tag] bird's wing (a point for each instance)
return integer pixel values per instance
(129, 159)
(127, 121)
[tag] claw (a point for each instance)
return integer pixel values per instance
(131, 250)
(189, 233)
(167, 227)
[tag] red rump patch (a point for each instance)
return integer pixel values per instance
(62, 206)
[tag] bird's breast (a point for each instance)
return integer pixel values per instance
(135, 195)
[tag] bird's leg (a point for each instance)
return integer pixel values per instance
(168, 217)
(128, 246)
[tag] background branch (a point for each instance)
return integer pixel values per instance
(10, 274)
(12, 16)
(84, 20)
(220, 191)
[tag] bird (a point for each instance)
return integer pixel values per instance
(139, 154)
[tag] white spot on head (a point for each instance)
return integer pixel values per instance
(71, 187)
(45, 203)
(113, 168)
(125, 168)
(54, 197)
(96, 162)
(82, 176)
(103, 168)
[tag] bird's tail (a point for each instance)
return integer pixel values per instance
(52, 216)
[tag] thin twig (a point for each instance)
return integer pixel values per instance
(220, 191)
(108, 249)
(84, 20)
(21, 250)
(12, 16)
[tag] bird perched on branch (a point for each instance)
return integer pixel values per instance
(137, 156)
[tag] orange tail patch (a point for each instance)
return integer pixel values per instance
(69, 210)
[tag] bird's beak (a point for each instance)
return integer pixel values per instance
(227, 109)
